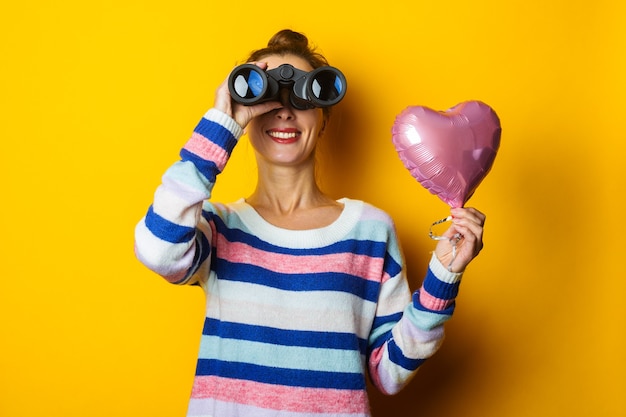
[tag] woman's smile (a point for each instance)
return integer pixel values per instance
(284, 136)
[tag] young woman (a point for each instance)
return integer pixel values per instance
(305, 295)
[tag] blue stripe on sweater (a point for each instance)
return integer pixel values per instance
(396, 356)
(438, 288)
(390, 266)
(207, 168)
(302, 338)
(166, 230)
(322, 281)
(382, 320)
(203, 251)
(218, 134)
(381, 329)
(280, 376)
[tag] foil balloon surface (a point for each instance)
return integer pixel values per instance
(449, 152)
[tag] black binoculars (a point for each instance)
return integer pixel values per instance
(323, 87)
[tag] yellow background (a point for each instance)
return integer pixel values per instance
(98, 97)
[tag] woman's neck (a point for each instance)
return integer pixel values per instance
(285, 194)
(290, 197)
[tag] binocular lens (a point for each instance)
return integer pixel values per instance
(327, 86)
(249, 84)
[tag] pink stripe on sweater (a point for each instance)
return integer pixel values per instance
(279, 397)
(359, 265)
(375, 361)
(432, 302)
(207, 150)
(381, 376)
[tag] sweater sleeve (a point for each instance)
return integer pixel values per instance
(169, 239)
(401, 341)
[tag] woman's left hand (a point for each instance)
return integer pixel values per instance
(468, 224)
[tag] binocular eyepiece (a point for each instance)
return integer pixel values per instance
(323, 87)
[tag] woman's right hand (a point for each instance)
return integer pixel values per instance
(240, 113)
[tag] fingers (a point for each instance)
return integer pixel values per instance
(243, 114)
(465, 220)
(223, 101)
(466, 232)
(470, 214)
(263, 108)
(468, 218)
(262, 65)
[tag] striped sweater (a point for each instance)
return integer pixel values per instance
(295, 319)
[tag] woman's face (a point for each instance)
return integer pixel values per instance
(286, 136)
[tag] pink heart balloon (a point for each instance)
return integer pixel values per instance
(449, 152)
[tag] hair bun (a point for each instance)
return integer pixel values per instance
(288, 39)
(289, 42)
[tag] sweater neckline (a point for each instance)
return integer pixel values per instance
(300, 239)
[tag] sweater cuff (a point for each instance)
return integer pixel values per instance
(224, 120)
(440, 286)
(442, 273)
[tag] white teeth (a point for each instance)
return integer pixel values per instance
(283, 135)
